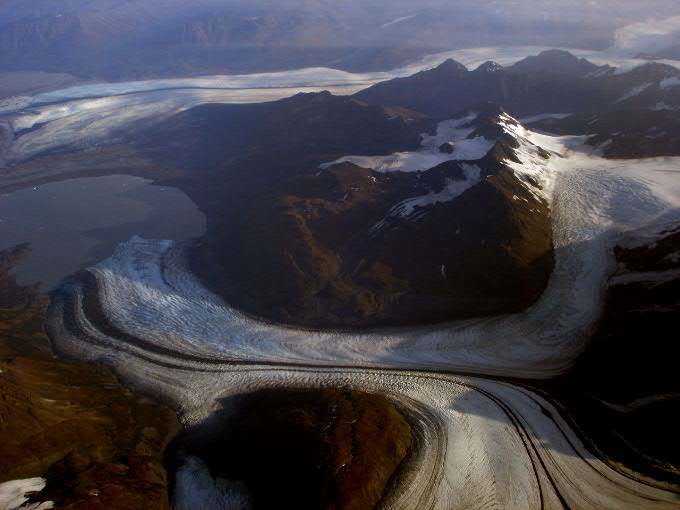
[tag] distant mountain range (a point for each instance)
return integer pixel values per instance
(147, 38)
(554, 81)
(629, 114)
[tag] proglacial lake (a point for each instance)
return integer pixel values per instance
(76, 223)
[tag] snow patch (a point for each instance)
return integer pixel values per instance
(411, 207)
(452, 131)
(663, 106)
(673, 81)
(449, 131)
(452, 189)
(635, 91)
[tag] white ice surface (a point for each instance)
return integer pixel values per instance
(82, 123)
(13, 494)
(480, 443)
(483, 444)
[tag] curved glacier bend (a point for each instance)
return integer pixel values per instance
(482, 442)
(146, 294)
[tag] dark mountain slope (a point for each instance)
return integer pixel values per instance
(348, 246)
(624, 134)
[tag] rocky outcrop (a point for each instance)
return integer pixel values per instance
(97, 445)
(309, 449)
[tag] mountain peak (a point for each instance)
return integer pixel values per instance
(450, 65)
(654, 71)
(489, 67)
(486, 109)
(554, 61)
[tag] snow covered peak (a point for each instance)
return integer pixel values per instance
(530, 156)
(490, 67)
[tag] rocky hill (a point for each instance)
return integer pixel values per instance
(443, 226)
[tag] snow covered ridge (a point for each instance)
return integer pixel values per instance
(458, 140)
(533, 156)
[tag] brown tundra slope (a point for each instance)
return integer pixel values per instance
(98, 445)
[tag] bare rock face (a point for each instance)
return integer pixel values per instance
(310, 449)
(98, 446)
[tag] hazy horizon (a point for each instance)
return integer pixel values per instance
(104, 39)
